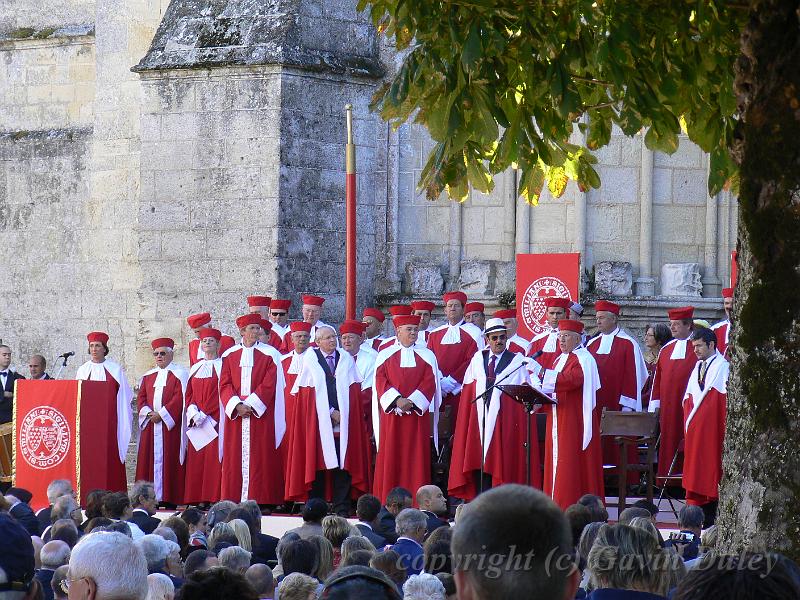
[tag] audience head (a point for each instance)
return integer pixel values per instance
(354, 543)
(66, 531)
(587, 540)
(219, 512)
(431, 498)
(411, 523)
(690, 518)
(648, 506)
(160, 587)
(222, 532)
(66, 507)
(438, 556)
(449, 584)
(336, 529)
(629, 513)
(242, 531)
(94, 504)
(245, 515)
(199, 560)
(524, 542)
(116, 505)
(578, 517)
(358, 582)
(647, 525)
(315, 510)
(357, 557)
(60, 575)
(217, 583)
(166, 533)
(251, 506)
(235, 558)
(708, 540)
(58, 488)
(195, 520)
(110, 565)
(37, 548)
(95, 523)
(298, 586)
(260, 578)
(299, 556)
(397, 499)
(388, 563)
(367, 508)
(324, 557)
(143, 496)
(156, 551)
(54, 554)
(118, 526)
(423, 587)
(181, 529)
(595, 506)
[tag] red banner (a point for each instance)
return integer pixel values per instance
(45, 430)
(540, 276)
(734, 268)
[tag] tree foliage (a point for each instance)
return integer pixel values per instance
(506, 83)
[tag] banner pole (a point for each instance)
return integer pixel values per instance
(350, 219)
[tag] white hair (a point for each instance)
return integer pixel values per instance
(322, 328)
(58, 488)
(63, 507)
(159, 587)
(54, 554)
(113, 562)
(235, 558)
(409, 520)
(423, 587)
(155, 550)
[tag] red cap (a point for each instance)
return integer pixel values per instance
(570, 325)
(727, 292)
(210, 332)
(266, 325)
(401, 320)
(296, 326)
(474, 307)
(313, 300)
(98, 336)
(680, 314)
(399, 310)
(460, 296)
(280, 304)
(422, 305)
(554, 302)
(258, 300)
(375, 313)
(162, 343)
(351, 326)
(506, 313)
(606, 306)
(251, 319)
(198, 320)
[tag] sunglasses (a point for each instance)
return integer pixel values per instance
(278, 314)
(495, 338)
(161, 353)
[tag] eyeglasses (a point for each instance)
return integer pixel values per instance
(278, 314)
(162, 353)
(64, 585)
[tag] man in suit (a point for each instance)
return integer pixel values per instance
(55, 489)
(23, 515)
(411, 525)
(432, 503)
(37, 365)
(52, 555)
(396, 500)
(367, 509)
(144, 503)
(8, 377)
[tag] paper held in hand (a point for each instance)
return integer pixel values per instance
(202, 435)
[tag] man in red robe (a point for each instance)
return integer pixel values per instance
(623, 373)
(405, 396)
(251, 391)
(454, 344)
(198, 322)
(396, 310)
(573, 463)
(723, 329)
(352, 336)
(423, 309)
(329, 441)
(291, 364)
(495, 427)
(160, 411)
(673, 368)
(268, 336)
(373, 318)
(516, 343)
(547, 341)
(474, 312)
(100, 368)
(704, 413)
(279, 317)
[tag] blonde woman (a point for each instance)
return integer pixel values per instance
(222, 532)
(324, 564)
(242, 532)
(336, 530)
(355, 543)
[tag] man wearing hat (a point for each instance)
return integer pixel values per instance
(373, 318)
(573, 464)
(312, 313)
(17, 561)
(454, 344)
(279, 316)
(252, 394)
(405, 394)
(723, 329)
(291, 364)
(268, 336)
(423, 309)
(100, 368)
(516, 343)
(673, 368)
(495, 426)
(352, 335)
(547, 341)
(203, 455)
(329, 440)
(259, 304)
(396, 310)
(160, 418)
(474, 313)
(198, 322)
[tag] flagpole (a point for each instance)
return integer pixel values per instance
(350, 219)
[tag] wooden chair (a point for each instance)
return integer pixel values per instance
(639, 429)
(673, 477)
(6, 452)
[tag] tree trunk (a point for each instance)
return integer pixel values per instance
(760, 492)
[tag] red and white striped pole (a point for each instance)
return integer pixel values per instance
(350, 219)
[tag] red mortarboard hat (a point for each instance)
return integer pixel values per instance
(680, 314)
(266, 325)
(313, 300)
(351, 326)
(162, 343)
(399, 310)
(258, 300)
(210, 332)
(98, 336)
(554, 302)
(296, 326)
(506, 313)
(474, 307)
(375, 313)
(460, 296)
(198, 320)
(401, 320)
(280, 304)
(606, 306)
(570, 325)
(727, 292)
(251, 319)
(422, 305)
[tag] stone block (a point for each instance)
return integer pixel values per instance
(614, 278)
(477, 277)
(681, 279)
(424, 279)
(505, 277)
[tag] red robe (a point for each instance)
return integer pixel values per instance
(623, 373)
(204, 466)
(573, 463)
(669, 386)
(196, 353)
(373, 343)
(251, 463)
(314, 440)
(547, 342)
(704, 426)
(160, 456)
(518, 344)
(276, 341)
(403, 441)
(722, 330)
(506, 430)
(290, 374)
(453, 359)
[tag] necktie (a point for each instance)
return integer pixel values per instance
(490, 370)
(4, 373)
(702, 377)
(331, 363)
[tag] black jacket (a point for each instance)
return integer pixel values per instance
(434, 522)
(145, 522)
(25, 517)
(264, 550)
(384, 526)
(377, 540)
(7, 404)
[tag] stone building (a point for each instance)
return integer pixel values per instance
(161, 158)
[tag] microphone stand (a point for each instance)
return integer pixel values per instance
(63, 364)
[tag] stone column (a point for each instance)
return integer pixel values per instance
(456, 234)
(393, 210)
(645, 284)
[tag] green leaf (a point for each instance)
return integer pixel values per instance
(531, 183)
(661, 141)
(472, 48)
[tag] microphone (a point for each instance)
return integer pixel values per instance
(536, 355)
(67, 355)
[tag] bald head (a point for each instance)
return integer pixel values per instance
(260, 577)
(54, 554)
(431, 498)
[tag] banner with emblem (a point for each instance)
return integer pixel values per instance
(540, 276)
